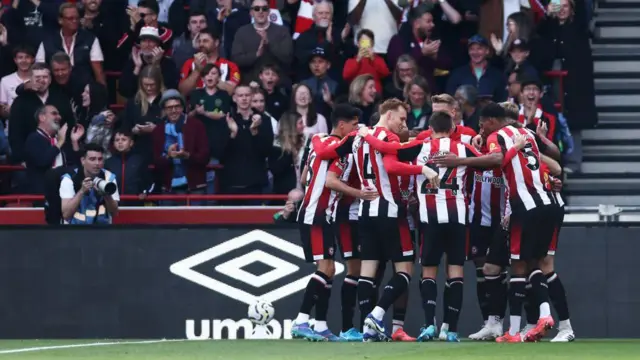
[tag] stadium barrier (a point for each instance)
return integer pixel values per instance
(194, 282)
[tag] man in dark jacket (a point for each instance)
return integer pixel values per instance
(85, 51)
(21, 120)
(96, 17)
(149, 53)
(29, 20)
(131, 169)
(226, 16)
(244, 148)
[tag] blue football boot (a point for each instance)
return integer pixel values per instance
(351, 335)
(426, 334)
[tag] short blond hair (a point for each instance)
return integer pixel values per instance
(443, 99)
(392, 104)
(512, 110)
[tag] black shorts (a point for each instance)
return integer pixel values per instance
(439, 239)
(498, 252)
(347, 235)
(479, 239)
(385, 239)
(559, 220)
(318, 242)
(531, 232)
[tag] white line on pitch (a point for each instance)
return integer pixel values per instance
(71, 346)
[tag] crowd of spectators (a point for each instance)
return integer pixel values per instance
(230, 83)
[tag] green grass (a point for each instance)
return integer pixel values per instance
(292, 349)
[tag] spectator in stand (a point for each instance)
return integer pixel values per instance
(210, 104)
(170, 12)
(363, 95)
(96, 16)
(417, 95)
(487, 79)
(145, 15)
(43, 148)
(531, 113)
(186, 46)
(285, 157)
(302, 103)
(5, 49)
(381, 16)
(323, 34)
(513, 87)
(131, 169)
(323, 87)
(245, 148)
(226, 17)
(366, 61)
(566, 28)
(180, 148)
(28, 21)
(467, 97)
(82, 46)
(37, 94)
(262, 43)
(149, 53)
(23, 57)
(515, 92)
(277, 101)
(100, 131)
(258, 102)
(405, 70)
(208, 44)
(143, 113)
(416, 38)
(521, 39)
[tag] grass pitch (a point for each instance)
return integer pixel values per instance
(294, 349)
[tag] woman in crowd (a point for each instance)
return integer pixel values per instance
(417, 95)
(142, 113)
(363, 95)
(286, 156)
(258, 102)
(405, 70)
(302, 103)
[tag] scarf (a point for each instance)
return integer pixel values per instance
(173, 135)
(522, 119)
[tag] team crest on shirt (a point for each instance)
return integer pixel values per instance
(331, 251)
(474, 250)
(405, 194)
(218, 102)
(492, 147)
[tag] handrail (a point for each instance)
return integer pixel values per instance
(8, 168)
(188, 198)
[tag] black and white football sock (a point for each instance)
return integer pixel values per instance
(315, 287)
(348, 294)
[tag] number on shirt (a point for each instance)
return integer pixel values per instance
(532, 160)
(368, 170)
(446, 182)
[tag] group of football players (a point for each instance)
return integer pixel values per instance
(492, 198)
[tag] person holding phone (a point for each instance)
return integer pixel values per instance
(366, 61)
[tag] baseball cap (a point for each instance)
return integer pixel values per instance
(530, 80)
(477, 39)
(149, 32)
(520, 44)
(319, 52)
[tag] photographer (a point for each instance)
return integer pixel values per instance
(90, 194)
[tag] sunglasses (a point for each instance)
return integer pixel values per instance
(260, 8)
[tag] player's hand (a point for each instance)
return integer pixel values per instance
(369, 194)
(431, 175)
(556, 185)
(446, 160)
(87, 185)
(519, 141)
(233, 126)
(363, 131)
(542, 129)
(477, 142)
(505, 222)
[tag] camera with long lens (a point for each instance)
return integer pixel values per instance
(105, 186)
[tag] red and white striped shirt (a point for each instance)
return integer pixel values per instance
(316, 195)
(487, 205)
(372, 174)
(342, 207)
(461, 134)
(523, 174)
(446, 204)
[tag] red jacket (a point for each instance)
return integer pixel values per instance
(376, 67)
(195, 143)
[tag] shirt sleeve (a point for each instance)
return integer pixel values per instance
(234, 73)
(471, 151)
(95, 53)
(542, 146)
(337, 166)
(409, 153)
(186, 69)
(493, 144)
(66, 188)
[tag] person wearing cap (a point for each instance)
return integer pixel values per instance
(519, 51)
(81, 45)
(531, 113)
(180, 148)
(145, 15)
(322, 86)
(487, 79)
(150, 52)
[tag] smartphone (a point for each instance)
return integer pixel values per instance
(555, 2)
(365, 42)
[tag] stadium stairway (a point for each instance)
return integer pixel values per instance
(611, 169)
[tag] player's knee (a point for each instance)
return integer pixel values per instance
(491, 269)
(327, 267)
(368, 268)
(518, 267)
(429, 272)
(547, 264)
(353, 267)
(455, 271)
(404, 267)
